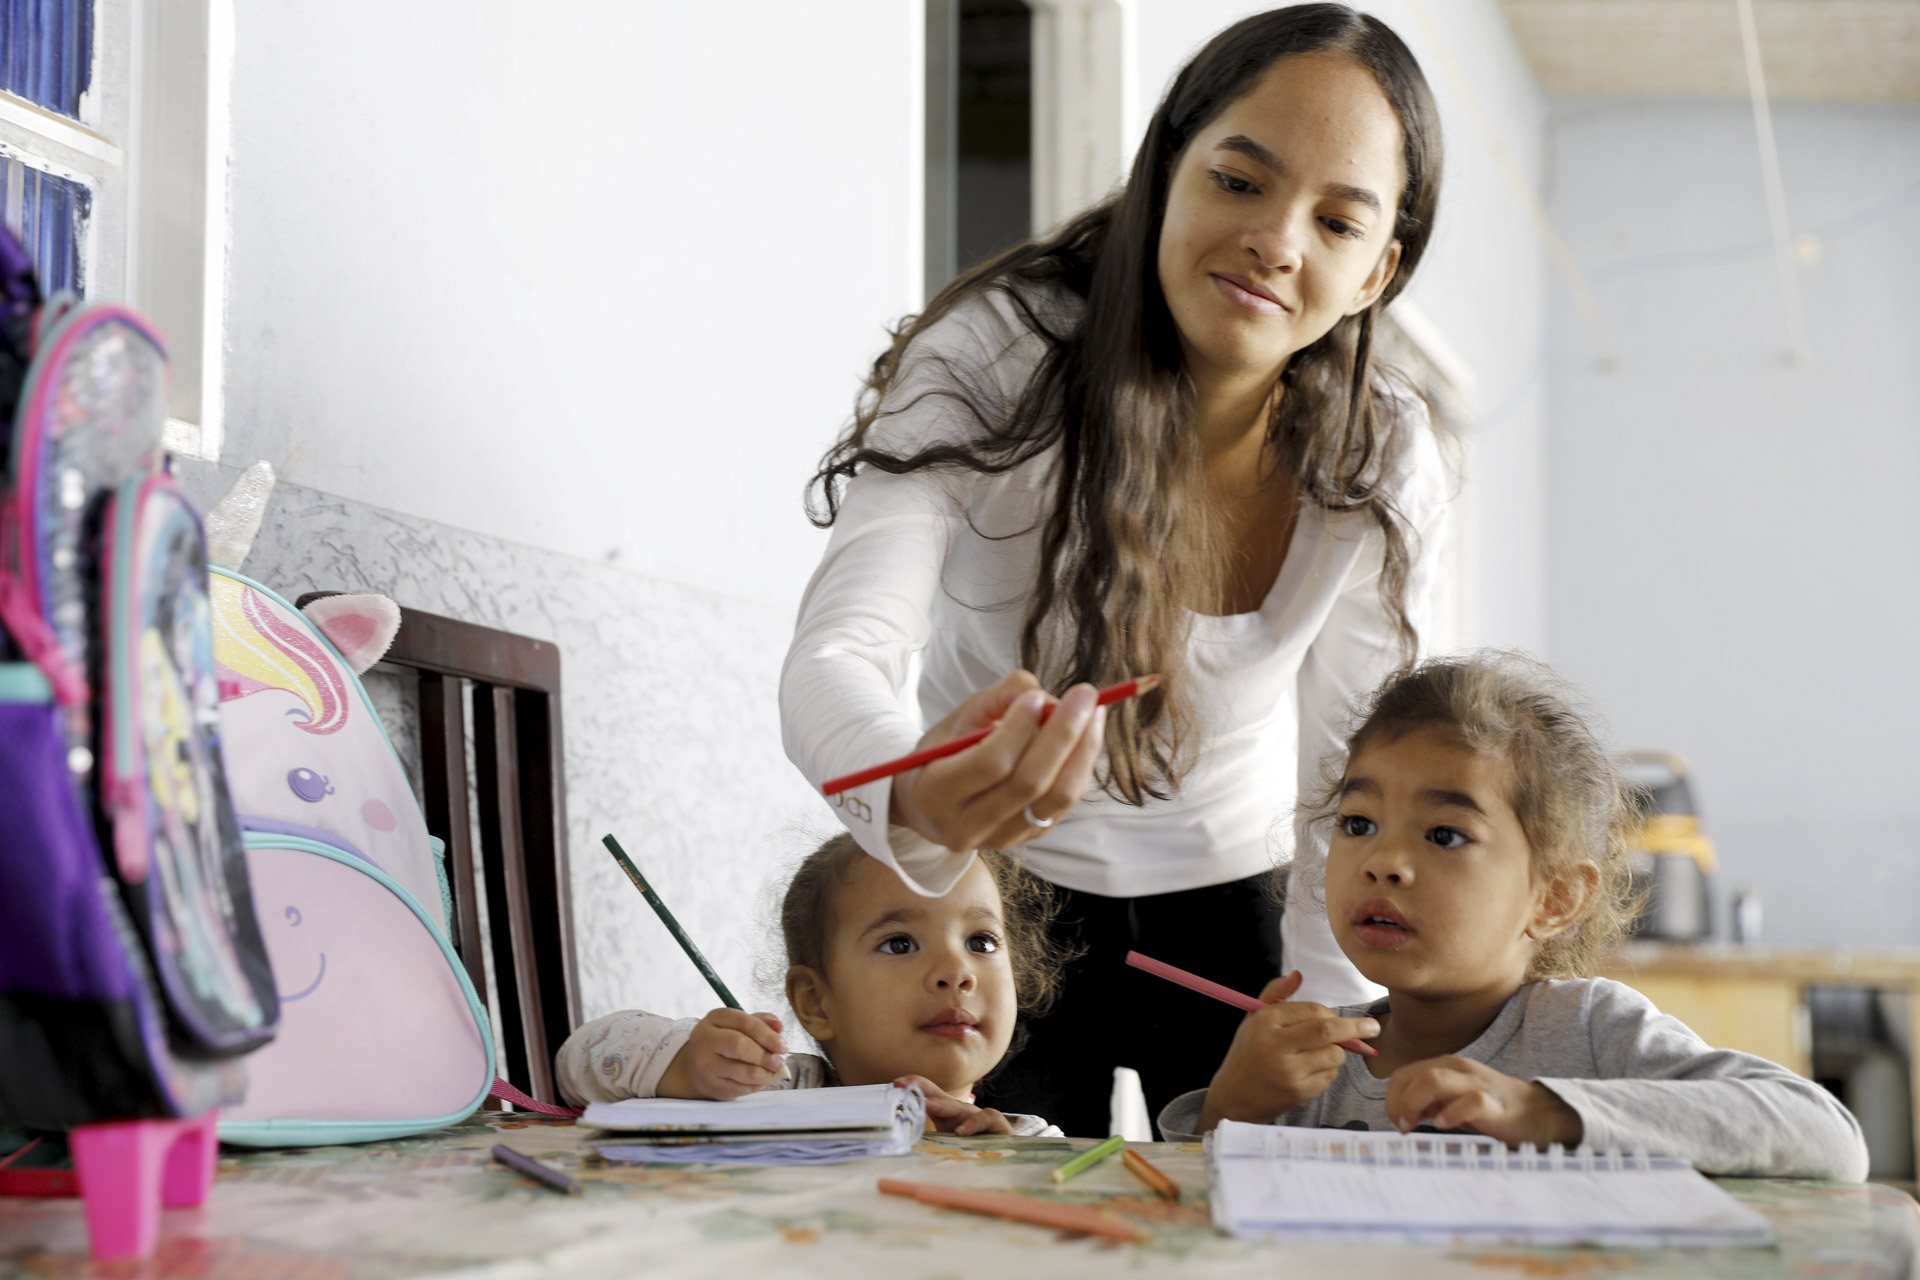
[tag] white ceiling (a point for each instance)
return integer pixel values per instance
(1812, 50)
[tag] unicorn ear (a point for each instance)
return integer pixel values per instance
(361, 627)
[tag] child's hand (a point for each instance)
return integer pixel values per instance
(1459, 1093)
(1281, 1056)
(729, 1054)
(948, 1114)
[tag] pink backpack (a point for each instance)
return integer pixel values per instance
(381, 1033)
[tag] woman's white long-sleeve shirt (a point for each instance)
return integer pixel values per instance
(941, 562)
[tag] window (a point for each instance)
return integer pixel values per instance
(979, 138)
(113, 170)
(1029, 120)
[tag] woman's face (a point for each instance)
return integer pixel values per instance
(1280, 217)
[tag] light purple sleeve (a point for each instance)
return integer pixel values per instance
(622, 1055)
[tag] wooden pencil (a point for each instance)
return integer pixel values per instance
(679, 934)
(1086, 1159)
(535, 1169)
(673, 926)
(1227, 995)
(954, 746)
(1045, 1213)
(1142, 1168)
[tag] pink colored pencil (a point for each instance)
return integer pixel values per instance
(954, 746)
(1045, 1213)
(1194, 982)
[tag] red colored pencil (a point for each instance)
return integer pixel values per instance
(1194, 982)
(954, 746)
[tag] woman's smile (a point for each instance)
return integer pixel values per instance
(1246, 294)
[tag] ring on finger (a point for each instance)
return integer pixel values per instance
(1033, 821)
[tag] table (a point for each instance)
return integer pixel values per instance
(438, 1206)
(1754, 998)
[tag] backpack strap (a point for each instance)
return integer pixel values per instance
(507, 1093)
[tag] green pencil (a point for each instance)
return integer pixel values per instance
(673, 926)
(1087, 1159)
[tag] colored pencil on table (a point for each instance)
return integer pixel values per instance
(1194, 982)
(1142, 1168)
(1086, 1159)
(673, 926)
(954, 746)
(534, 1169)
(1045, 1213)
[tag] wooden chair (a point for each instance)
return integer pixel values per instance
(517, 793)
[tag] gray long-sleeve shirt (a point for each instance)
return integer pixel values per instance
(1638, 1078)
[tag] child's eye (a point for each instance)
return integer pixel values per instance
(1227, 182)
(898, 944)
(984, 943)
(1352, 824)
(1449, 837)
(1341, 227)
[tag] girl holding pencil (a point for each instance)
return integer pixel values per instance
(889, 984)
(1151, 441)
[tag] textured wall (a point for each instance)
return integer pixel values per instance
(671, 733)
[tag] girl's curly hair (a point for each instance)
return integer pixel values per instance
(1027, 905)
(1561, 782)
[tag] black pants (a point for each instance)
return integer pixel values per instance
(1108, 1014)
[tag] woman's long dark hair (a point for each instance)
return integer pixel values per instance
(1130, 546)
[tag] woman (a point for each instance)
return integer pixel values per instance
(1152, 442)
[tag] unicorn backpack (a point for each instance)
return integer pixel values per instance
(382, 1034)
(133, 976)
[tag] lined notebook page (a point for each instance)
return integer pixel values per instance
(1272, 1180)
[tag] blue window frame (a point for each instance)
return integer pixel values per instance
(46, 57)
(49, 214)
(46, 51)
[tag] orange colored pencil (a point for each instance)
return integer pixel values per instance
(954, 746)
(1064, 1217)
(1142, 1168)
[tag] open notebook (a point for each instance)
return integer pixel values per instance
(778, 1126)
(1342, 1184)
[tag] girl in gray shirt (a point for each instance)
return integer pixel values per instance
(1477, 870)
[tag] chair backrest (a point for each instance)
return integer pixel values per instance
(516, 793)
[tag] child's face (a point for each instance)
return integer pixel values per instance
(914, 985)
(1430, 888)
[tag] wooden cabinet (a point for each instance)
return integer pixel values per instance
(1754, 998)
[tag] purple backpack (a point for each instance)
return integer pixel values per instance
(133, 976)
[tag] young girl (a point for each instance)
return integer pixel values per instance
(1477, 870)
(893, 986)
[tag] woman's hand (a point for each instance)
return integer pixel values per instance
(1282, 1056)
(729, 1054)
(980, 798)
(948, 1114)
(1459, 1093)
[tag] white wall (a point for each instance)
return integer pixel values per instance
(1483, 282)
(1735, 540)
(595, 278)
(545, 314)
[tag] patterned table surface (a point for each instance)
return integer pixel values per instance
(439, 1206)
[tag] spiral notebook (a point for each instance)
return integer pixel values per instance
(1343, 1184)
(776, 1126)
